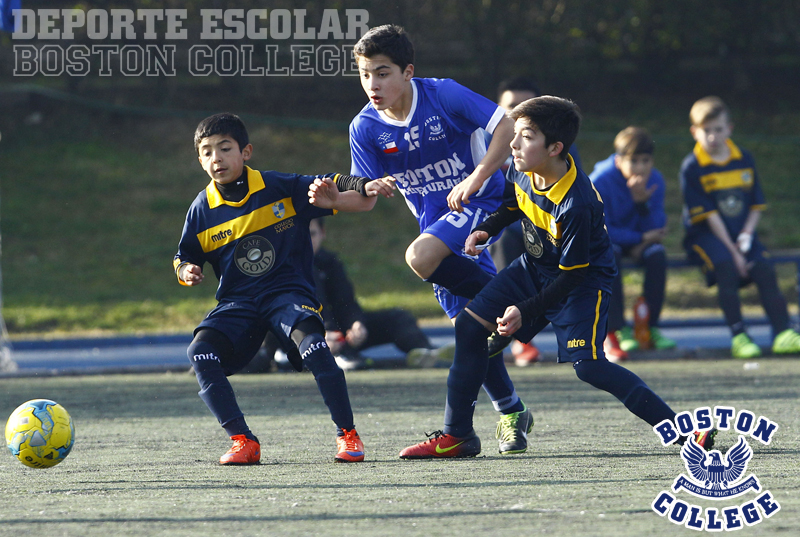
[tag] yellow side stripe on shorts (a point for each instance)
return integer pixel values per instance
(594, 327)
(709, 265)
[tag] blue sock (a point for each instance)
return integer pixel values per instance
(330, 379)
(466, 375)
(215, 389)
(625, 386)
(460, 276)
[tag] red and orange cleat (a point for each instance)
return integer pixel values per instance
(525, 354)
(243, 451)
(440, 445)
(611, 348)
(705, 439)
(351, 448)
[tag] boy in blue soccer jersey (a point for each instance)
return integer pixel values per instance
(428, 134)
(564, 278)
(633, 199)
(252, 228)
(723, 202)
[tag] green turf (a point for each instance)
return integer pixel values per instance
(144, 458)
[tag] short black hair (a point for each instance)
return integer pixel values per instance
(519, 83)
(390, 40)
(225, 123)
(557, 119)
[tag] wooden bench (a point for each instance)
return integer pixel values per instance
(680, 261)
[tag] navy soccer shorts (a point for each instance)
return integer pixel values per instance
(579, 321)
(707, 251)
(246, 322)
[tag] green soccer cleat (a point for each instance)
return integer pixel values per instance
(659, 342)
(512, 432)
(626, 340)
(787, 342)
(422, 358)
(742, 347)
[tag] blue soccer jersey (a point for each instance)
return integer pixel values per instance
(258, 246)
(433, 150)
(730, 189)
(564, 227)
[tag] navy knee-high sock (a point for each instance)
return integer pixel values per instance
(460, 276)
(330, 379)
(627, 387)
(466, 375)
(215, 389)
(499, 388)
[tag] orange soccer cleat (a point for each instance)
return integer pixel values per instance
(611, 348)
(243, 451)
(351, 448)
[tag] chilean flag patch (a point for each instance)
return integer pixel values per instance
(387, 144)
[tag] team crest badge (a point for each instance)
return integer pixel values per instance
(254, 255)
(533, 244)
(713, 475)
(731, 205)
(279, 209)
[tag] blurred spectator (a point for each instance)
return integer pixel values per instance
(350, 329)
(633, 198)
(722, 207)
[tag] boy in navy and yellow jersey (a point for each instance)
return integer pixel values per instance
(722, 207)
(252, 228)
(563, 278)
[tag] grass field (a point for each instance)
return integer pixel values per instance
(144, 458)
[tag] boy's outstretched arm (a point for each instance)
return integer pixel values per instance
(495, 156)
(324, 193)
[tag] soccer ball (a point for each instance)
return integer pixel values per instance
(40, 433)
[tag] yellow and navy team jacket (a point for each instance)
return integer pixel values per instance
(731, 189)
(258, 246)
(564, 226)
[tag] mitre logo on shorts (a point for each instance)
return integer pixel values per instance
(254, 255)
(533, 244)
(713, 475)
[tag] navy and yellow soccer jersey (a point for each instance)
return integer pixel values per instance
(260, 245)
(564, 227)
(730, 189)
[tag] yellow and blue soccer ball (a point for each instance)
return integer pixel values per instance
(40, 433)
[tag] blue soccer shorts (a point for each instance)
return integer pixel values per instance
(453, 228)
(707, 251)
(246, 322)
(579, 321)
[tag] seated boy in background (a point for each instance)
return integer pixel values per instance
(722, 207)
(252, 228)
(633, 198)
